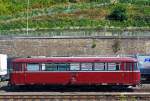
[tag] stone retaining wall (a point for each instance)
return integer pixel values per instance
(73, 47)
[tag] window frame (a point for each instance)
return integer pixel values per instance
(99, 63)
(19, 66)
(86, 63)
(52, 64)
(63, 64)
(129, 68)
(75, 63)
(135, 65)
(56, 68)
(119, 64)
(39, 65)
(116, 68)
(112, 66)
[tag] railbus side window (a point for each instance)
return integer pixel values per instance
(49, 67)
(17, 67)
(23, 66)
(135, 66)
(113, 66)
(43, 67)
(63, 67)
(118, 66)
(86, 66)
(74, 66)
(129, 66)
(99, 66)
(33, 67)
(14, 67)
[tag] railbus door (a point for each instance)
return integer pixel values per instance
(23, 72)
(128, 73)
(18, 75)
(131, 72)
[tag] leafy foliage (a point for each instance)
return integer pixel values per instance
(118, 14)
(69, 14)
(137, 2)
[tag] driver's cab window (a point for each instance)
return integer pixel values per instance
(18, 67)
(33, 67)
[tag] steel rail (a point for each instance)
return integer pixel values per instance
(77, 96)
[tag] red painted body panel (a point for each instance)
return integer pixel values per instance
(47, 78)
(120, 77)
(76, 78)
(17, 78)
(74, 59)
(136, 78)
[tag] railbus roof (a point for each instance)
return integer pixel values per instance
(74, 59)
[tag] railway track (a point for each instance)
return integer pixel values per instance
(69, 94)
(49, 95)
(76, 96)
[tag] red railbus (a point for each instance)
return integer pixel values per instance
(75, 71)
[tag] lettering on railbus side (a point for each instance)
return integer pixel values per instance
(147, 60)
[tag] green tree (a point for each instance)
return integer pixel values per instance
(118, 14)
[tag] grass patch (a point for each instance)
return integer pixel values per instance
(64, 14)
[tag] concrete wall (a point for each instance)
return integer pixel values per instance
(72, 47)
